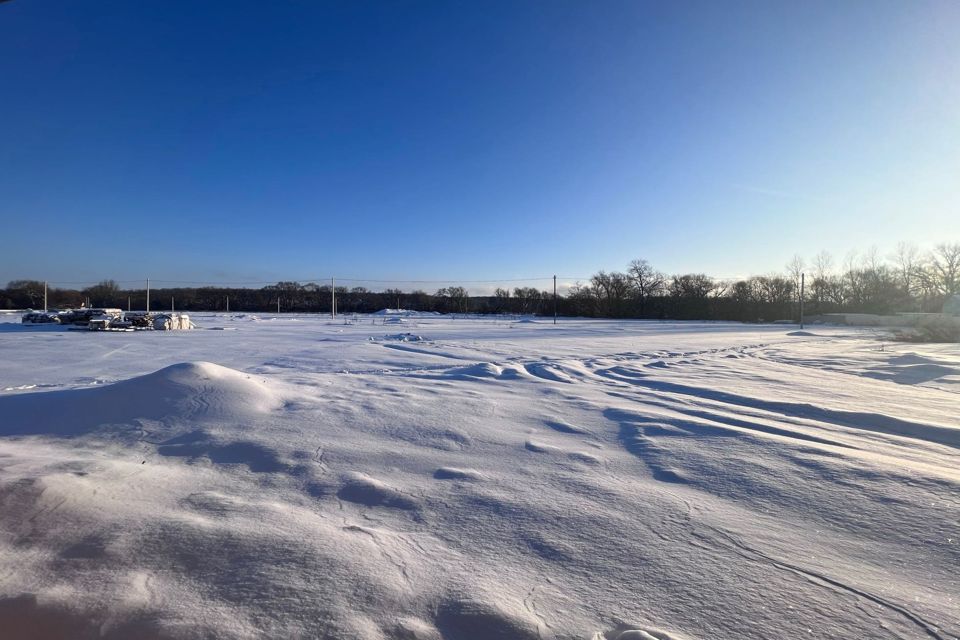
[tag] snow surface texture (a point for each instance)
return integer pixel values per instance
(494, 480)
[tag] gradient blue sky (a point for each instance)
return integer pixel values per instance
(257, 141)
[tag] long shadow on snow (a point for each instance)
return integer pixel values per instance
(22, 616)
(703, 429)
(635, 441)
(911, 374)
(64, 413)
(853, 419)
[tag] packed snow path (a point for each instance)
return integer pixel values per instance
(471, 479)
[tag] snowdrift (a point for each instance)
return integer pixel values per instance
(190, 391)
(600, 481)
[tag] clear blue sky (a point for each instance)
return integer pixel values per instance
(254, 141)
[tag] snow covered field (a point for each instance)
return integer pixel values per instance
(295, 477)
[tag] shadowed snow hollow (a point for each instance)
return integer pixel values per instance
(191, 390)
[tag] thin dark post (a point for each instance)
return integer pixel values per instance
(801, 298)
(554, 299)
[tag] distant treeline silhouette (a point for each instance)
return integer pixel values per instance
(905, 281)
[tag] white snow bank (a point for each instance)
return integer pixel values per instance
(190, 391)
(606, 480)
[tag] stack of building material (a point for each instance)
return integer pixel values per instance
(172, 322)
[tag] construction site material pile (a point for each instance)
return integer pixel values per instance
(106, 319)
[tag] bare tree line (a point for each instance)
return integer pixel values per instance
(907, 280)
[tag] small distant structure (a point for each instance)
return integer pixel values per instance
(106, 319)
(41, 317)
(172, 322)
(951, 306)
(76, 317)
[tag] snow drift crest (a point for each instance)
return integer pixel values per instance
(185, 391)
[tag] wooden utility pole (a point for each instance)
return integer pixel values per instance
(171, 305)
(44, 296)
(554, 299)
(148, 295)
(278, 305)
(801, 298)
(333, 297)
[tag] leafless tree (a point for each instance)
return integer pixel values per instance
(501, 300)
(775, 289)
(582, 298)
(691, 285)
(528, 299)
(908, 265)
(610, 290)
(646, 281)
(453, 299)
(943, 267)
(822, 264)
(795, 270)
(31, 290)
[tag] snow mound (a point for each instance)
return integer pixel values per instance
(455, 473)
(627, 632)
(364, 490)
(193, 391)
(479, 370)
(471, 620)
(547, 371)
(539, 447)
